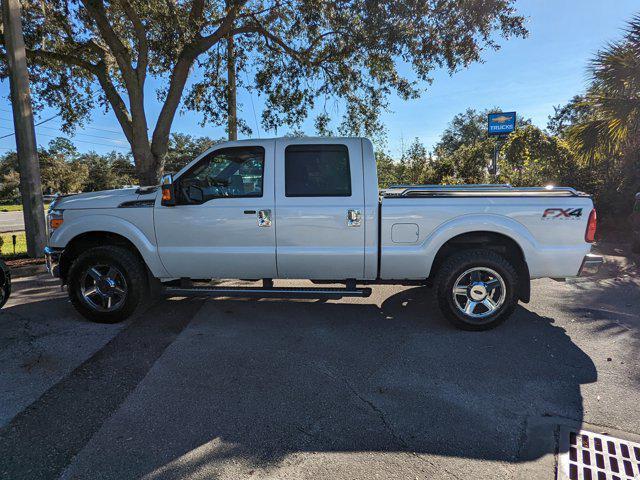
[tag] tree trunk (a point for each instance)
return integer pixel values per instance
(148, 166)
(150, 175)
(232, 117)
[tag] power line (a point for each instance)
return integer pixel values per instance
(72, 136)
(87, 141)
(59, 127)
(81, 141)
(102, 129)
(86, 135)
(37, 124)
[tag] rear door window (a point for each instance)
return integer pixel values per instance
(317, 171)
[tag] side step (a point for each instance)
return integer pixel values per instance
(260, 292)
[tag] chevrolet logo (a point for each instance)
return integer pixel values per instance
(501, 119)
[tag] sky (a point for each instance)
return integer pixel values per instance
(530, 76)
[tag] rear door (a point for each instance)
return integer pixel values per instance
(319, 208)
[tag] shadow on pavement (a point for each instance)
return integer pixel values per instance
(254, 381)
(613, 312)
(41, 440)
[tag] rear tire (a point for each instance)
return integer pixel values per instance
(106, 283)
(477, 289)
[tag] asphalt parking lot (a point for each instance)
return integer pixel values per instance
(353, 389)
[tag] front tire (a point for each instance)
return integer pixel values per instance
(5, 283)
(477, 289)
(106, 283)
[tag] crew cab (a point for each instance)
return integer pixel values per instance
(310, 208)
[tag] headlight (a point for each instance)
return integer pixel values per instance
(54, 220)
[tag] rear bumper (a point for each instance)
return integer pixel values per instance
(52, 259)
(590, 265)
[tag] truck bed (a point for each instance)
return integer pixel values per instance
(548, 224)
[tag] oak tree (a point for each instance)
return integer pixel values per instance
(84, 54)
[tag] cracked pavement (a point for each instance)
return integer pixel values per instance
(352, 389)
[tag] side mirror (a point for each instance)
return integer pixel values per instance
(168, 191)
(196, 195)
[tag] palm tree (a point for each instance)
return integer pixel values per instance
(613, 126)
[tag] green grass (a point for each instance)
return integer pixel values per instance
(10, 208)
(16, 208)
(6, 250)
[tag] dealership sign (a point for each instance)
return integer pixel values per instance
(501, 123)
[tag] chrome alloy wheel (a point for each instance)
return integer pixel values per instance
(479, 292)
(103, 288)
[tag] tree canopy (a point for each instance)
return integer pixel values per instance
(603, 124)
(99, 53)
(610, 109)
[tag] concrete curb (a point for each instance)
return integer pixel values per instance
(541, 445)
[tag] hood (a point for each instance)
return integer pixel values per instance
(104, 198)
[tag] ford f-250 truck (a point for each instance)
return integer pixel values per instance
(310, 208)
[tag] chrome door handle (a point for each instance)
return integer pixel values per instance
(354, 218)
(264, 218)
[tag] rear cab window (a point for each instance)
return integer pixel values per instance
(317, 171)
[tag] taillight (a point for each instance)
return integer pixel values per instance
(590, 234)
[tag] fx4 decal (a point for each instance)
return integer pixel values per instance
(562, 214)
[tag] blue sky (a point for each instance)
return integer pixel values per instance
(528, 75)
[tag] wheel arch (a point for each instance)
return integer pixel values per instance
(104, 229)
(95, 238)
(500, 243)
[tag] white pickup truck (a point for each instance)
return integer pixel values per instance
(310, 208)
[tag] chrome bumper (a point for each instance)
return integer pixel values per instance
(590, 265)
(52, 259)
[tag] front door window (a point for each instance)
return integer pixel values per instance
(227, 173)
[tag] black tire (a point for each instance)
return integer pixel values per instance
(483, 262)
(131, 274)
(5, 283)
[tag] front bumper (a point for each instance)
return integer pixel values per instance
(52, 259)
(590, 265)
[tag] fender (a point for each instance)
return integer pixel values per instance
(112, 224)
(479, 223)
(415, 261)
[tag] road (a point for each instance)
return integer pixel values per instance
(352, 389)
(11, 222)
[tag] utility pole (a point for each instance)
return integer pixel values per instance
(30, 184)
(232, 116)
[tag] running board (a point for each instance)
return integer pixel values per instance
(289, 292)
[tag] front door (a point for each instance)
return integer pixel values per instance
(320, 208)
(222, 226)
